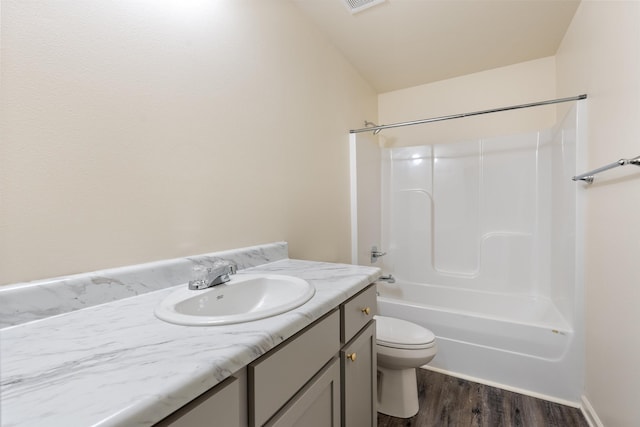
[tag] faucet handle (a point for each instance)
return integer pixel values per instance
(200, 277)
(220, 271)
(224, 266)
(375, 254)
(233, 267)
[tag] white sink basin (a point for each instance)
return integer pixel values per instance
(244, 298)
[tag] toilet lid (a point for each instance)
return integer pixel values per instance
(399, 333)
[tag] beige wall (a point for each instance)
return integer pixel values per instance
(512, 85)
(143, 130)
(600, 55)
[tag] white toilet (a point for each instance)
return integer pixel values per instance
(402, 347)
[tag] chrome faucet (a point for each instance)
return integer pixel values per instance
(217, 274)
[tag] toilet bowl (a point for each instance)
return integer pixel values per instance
(401, 347)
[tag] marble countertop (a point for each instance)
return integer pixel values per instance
(116, 364)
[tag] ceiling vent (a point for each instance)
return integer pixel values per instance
(356, 6)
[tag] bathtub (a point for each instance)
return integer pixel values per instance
(516, 342)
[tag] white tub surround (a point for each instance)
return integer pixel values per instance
(484, 240)
(117, 364)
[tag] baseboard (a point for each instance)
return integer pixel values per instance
(590, 413)
(508, 388)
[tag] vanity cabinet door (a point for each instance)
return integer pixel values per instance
(276, 377)
(222, 406)
(317, 404)
(359, 379)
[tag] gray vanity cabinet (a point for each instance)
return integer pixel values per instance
(279, 376)
(222, 406)
(323, 376)
(344, 392)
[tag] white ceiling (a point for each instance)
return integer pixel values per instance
(404, 43)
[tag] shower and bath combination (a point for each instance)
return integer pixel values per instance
(482, 243)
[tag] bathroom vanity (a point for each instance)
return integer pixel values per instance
(325, 375)
(114, 363)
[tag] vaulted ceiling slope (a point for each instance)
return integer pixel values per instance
(404, 43)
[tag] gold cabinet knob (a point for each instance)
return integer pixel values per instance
(352, 357)
(366, 310)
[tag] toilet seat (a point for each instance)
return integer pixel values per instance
(398, 333)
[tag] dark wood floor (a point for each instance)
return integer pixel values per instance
(450, 401)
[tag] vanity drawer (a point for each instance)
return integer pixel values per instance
(277, 376)
(357, 312)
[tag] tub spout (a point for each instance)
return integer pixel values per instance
(387, 278)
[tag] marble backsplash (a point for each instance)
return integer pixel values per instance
(25, 302)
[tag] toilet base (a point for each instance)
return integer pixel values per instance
(397, 392)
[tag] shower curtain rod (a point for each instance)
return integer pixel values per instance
(475, 113)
